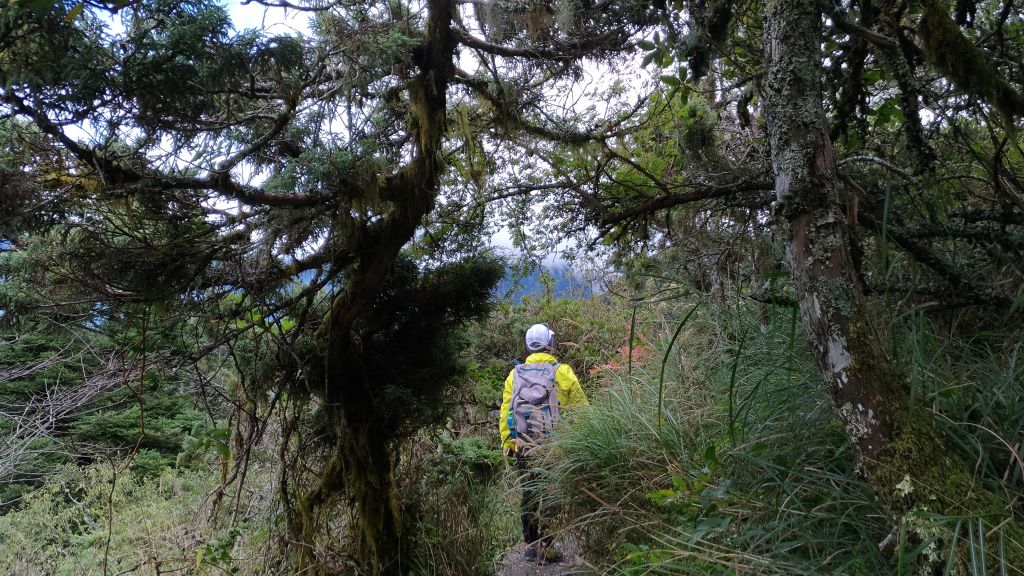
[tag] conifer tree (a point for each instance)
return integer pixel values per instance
(262, 190)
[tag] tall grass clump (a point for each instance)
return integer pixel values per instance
(454, 489)
(972, 380)
(746, 471)
(974, 385)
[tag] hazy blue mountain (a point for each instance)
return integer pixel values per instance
(563, 284)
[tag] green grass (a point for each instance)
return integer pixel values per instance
(455, 490)
(749, 470)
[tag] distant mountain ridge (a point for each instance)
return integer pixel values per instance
(560, 281)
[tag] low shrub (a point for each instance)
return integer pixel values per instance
(455, 491)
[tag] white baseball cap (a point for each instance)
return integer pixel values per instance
(539, 337)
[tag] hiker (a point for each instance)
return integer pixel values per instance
(535, 393)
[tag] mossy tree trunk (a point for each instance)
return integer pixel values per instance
(369, 457)
(360, 467)
(901, 452)
(362, 463)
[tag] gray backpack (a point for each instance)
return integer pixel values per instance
(534, 403)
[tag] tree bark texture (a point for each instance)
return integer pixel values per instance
(362, 466)
(900, 451)
(809, 200)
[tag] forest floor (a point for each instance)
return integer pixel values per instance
(515, 562)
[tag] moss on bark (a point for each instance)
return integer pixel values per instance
(963, 62)
(919, 482)
(926, 487)
(344, 371)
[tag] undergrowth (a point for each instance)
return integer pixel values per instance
(748, 469)
(743, 469)
(82, 521)
(454, 490)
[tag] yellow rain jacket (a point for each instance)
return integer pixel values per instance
(567, 387)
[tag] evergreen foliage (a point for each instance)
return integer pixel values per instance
(70, 396)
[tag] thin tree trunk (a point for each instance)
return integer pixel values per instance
(901, 453)
(810, 201)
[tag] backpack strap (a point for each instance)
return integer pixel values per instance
(554, 384)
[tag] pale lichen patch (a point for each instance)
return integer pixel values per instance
(925, 527)
(857, 426)
(839, 358)
(905, 487)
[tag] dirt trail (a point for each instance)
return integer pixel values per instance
(516, 563)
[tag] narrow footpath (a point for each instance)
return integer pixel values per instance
(515, 562)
